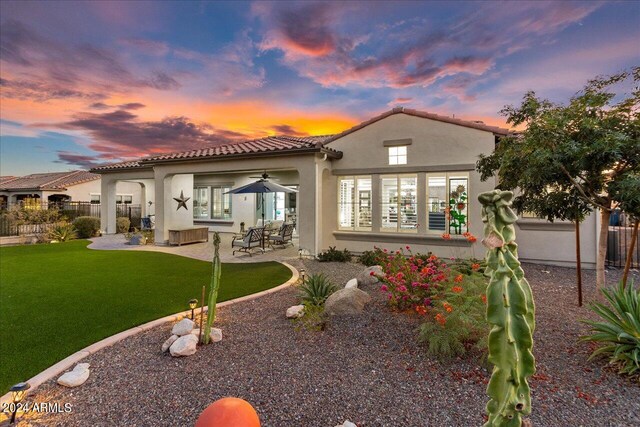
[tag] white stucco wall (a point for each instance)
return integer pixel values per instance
(435, 147)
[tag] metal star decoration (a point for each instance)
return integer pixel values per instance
(182, 201)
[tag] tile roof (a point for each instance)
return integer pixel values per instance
(416, 113)
(48, 181)
(116, 166)
(5, 179)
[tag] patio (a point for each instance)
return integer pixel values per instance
(202, 251)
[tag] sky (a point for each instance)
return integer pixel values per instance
(88, 83)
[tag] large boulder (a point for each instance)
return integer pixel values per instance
(168, 342)
(347, 423)
(366, 278)
(76, 377)
(346, 302)
(184, 346)
(183, 327)
(295, 311)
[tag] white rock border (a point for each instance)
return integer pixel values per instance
(69, 361)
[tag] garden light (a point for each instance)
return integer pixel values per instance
(193, 303)
(302, 274)
(18, 392)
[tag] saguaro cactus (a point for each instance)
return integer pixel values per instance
(510, 311)
(216, 272)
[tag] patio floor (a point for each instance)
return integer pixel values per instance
(202, 251)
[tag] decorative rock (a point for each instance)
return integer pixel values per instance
(76, 377)
(184, 346)
(347, 423)
(196, 333)
(365, 278)
(353, 283)
(168, 342)
(295, 311)
(183, 327)
(216, 334)
(346, 302)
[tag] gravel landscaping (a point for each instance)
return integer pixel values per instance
(368, 369)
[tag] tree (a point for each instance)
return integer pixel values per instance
(627, 190)
(585, 148)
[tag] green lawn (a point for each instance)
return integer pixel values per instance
(59, 298)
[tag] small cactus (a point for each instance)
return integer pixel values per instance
(216, 271)
(511, 313)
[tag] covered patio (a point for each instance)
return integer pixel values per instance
(202, 251)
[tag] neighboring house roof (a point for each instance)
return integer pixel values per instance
(5, 179)
(48, 181)
(411, 112)
(288, 144)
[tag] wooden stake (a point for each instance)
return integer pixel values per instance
(578, 264)
(201, 314)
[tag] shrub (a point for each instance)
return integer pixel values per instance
(619, 329)
(316, 290)
(334, 255)
(122, 224)
(62, 232)
(455, 321)
(411, 281)
(373, 257)
(87, 226)
(314, 319)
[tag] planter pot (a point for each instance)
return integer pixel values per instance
(137, 240)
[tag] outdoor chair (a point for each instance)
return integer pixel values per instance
(146, 223)
(252, 239)
(283, 237)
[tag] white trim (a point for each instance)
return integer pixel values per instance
(71, 360)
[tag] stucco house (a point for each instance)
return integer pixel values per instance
(54, 187)
(404, 177)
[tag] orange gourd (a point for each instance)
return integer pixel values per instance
(229, 412)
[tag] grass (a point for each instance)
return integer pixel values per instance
(57, 299)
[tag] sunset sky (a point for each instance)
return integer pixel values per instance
(83, 83)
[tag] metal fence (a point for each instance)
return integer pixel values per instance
(68, 210)
(619, 242)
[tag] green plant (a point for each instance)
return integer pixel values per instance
(334, 255)
(314, 319)
(457, 204)
(510, 312)
(618, 329)
(148, 236)
(87, 226)
(122, 224)
(216, 272)
(316, 289)
(373, 257)
(62, 232)
(455, 321)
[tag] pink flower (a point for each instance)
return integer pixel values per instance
(384, 288)
(402, 288)
(408, 247)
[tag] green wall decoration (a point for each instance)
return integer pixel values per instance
(511, 313)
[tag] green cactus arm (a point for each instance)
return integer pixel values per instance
(510, 311)
(216, 273)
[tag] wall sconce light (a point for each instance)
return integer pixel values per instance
(193, 303)
(18, 392)
(303, 274)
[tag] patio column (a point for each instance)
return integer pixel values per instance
(309, 197)
(108, 204)
(160, 182)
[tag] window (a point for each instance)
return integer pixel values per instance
(95, 199)
(447, 207)
(399, 202)
(398, 155)
(354, 203)
(124, 198)
(211, 202)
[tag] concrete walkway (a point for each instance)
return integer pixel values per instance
(202, 251)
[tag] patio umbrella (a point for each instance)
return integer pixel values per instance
(261, 186)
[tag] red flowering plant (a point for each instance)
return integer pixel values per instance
(455, 323)
(412, 280)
